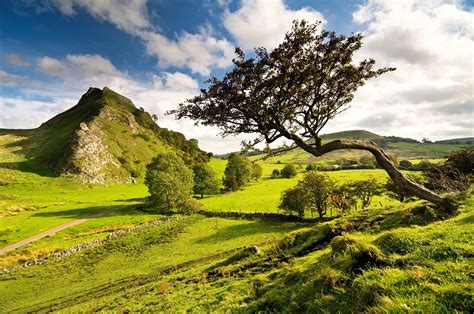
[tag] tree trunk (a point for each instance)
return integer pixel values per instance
(386, 163)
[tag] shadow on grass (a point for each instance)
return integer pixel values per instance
(28, 166)
(245, 229)
(88, 212)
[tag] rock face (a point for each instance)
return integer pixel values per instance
(105, 138)
(90, 158)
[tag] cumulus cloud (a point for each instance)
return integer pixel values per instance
(201, 51)
(264, 23)
(125, 14)
(431, 45)
(10, 79)
(17, 60)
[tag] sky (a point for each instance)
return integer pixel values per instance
(159, 53)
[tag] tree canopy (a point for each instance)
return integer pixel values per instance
(169, 180)
(291, 92)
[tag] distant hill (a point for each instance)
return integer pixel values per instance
(457, 141)
(404, 148)
(103, 138)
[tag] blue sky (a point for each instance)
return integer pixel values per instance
(160, 52)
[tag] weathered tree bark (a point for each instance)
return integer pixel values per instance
(386, 163)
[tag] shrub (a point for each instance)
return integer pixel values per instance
(405, 165)
(455, 174)
(288, 171)
(275, 173)
(169, 181)
(190, 205)
(311, 167)
(257, 171)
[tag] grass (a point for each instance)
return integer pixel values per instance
(390, 257)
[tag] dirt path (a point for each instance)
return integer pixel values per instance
(66, 225)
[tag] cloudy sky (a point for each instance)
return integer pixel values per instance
(160, 52)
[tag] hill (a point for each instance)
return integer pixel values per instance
(104, 138)
(464, 140)
(404, 148)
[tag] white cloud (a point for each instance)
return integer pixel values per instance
(53, 66)
(10, 79)
(263, 23)
(201, 52)
(17, 60)
(430, 94)
(127, 15)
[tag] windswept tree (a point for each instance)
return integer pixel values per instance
(291, 93)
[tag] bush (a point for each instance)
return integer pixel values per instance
(311, 167)
(275, 173)
(455, 174)
(190, 205)
(169, 181)
(257, 171)
(288, 171)
(405, 165)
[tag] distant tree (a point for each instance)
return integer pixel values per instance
(257, 171)
(194, 143)
(311, 167)
(294, 200)
(205, 181)
(318, 189)
(423, 165)
(365, 190)
(275, 173)
(288, 171)
(238, 168)
(367, 161)
(291, 92)
(395, 192)
(154, 117)
(169, 180)
(426, 140)
(405, 164)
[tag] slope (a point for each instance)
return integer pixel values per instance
(104, 138)
(404, 148)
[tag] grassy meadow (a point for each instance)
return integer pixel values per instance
(391, 257)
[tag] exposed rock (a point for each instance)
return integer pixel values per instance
(90, 159)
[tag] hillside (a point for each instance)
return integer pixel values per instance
(404, 148)
(104, 138)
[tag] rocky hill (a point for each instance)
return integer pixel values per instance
(104, 138)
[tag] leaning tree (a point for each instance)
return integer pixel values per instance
(291, 93)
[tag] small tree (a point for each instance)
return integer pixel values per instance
(311, 167)
(205, 181)
(169, 181)
(275, 173)
(394, 191)
(318, 188)
(288, 171)
(294, 200)
(257, 171)
(342, 199)
(365, 190)
(238, 168)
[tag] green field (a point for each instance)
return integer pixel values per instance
(392, 257)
